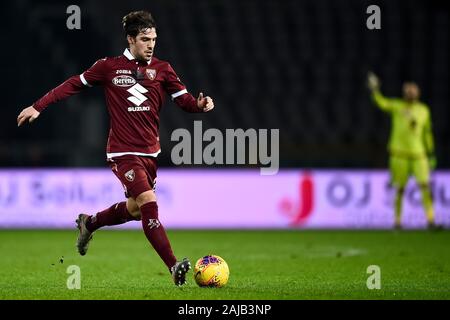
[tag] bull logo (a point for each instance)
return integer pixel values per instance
(151, 73)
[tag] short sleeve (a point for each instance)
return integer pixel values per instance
(95, 75)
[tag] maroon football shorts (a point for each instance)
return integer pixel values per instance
(136, 173)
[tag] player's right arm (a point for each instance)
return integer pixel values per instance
(429, 141)
(378, 98)
(93, 76)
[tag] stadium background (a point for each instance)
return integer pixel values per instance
(295, 65)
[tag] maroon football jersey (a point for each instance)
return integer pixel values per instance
(134, 92)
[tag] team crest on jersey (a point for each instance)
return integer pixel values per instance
(129, 175)
(151, 73)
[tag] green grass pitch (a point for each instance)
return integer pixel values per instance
(263, 265)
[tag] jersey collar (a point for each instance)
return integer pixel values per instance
(129, 56)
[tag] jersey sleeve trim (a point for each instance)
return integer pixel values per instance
(119, 154)
(179, 93)
(83, 80)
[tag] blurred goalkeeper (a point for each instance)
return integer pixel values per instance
(411, 146)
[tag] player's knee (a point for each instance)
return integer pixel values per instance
(135, 214)
(145, 197)
(132, 205)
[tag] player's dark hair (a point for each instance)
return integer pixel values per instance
(137, 21)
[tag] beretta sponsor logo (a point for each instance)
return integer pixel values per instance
(123, 71)
(123, 81)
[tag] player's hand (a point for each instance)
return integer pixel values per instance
(205, 103)
(29, 113)
(432, 161)
(372, 81)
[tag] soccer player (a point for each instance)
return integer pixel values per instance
(410, 146)
(135, 85)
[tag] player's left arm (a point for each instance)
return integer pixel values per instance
(385, 104)
(179, 94)
(428, 140)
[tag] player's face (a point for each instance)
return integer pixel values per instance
(411, 91)
(143, 45)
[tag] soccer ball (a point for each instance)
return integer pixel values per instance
(211, 271)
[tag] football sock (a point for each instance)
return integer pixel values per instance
(156, 234)
(116, 214)
(427, 202)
